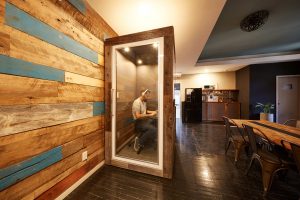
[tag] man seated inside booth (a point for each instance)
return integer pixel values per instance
(145, 121)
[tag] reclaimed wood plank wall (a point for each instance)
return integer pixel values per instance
(51, 95)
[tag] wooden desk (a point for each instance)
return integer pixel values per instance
(275, 132)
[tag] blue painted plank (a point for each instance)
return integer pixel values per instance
(18, 19)
(29, 167)
(79, 4)
(18, 67)
(98, 108)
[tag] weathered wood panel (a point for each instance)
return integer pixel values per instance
(98, 108)
(30, 144)
(20, 20)
(18, 67)
(168, 123)
(83, 80)
(31, 49)
(71, 129)
(54, 16)
(79, 4)
(4, 43)
(2, 11)
(92, 21)
(15, 119)
(62, 184)
(15, 90)
(20, 189)
(20, 171)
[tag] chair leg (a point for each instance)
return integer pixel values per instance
(227, 146)
(268, 170)
(238, 148)
(250, 165)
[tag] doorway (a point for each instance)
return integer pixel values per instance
(177, 99)
(287, 98)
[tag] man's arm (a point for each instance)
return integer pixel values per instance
(140, 116)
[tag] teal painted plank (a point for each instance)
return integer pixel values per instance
(79, 4)
(98, 108)
(18, 67)
(29, 167)
(18, 19)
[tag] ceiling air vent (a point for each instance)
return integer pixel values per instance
(254, 21)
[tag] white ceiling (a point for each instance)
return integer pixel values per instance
(193, 21)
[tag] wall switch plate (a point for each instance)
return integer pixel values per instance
(84, 155)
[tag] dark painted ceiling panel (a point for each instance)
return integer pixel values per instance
(280, 33)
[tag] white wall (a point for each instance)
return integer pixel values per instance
(222, 80)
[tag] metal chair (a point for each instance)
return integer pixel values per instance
(270, 162)
(295, 153)
(235, 136)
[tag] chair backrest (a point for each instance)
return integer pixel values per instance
(230, 126)
(251, 137)
(296, 154)
(227, 126)
(291, 122)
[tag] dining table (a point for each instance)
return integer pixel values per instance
(274, 131)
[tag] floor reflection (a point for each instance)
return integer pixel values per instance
(202, 171)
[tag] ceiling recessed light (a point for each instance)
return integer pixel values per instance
(126, 49)
(139, 61)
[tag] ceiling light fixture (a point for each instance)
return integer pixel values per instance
(254, 21)
(126, 49)
(139, 61)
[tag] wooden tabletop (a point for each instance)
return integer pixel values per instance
(274, 131)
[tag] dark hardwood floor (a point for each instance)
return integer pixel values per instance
(202, 171)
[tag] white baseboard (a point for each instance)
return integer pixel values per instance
(79, 182)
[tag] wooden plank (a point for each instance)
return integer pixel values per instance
(98, 108)
(56, 17)
(20, 171)
(83, 80)
(72, 147)
(2, 11)
(4, 43)
(31, 49)
(20, 20)
(83, 126)
(26, 186)
(92, 21)
(67, 178)
(29, 143)
(168, 124)
(18, 67)
(79, 5)
(15, 119)
(145, 35)
(15, 90)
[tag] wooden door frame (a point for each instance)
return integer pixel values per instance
(277, 77)
(168, 119)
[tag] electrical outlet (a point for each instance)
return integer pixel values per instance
(84, 155)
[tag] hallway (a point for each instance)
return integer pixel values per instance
(202, 171)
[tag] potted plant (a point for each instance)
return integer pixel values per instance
(266, 111)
